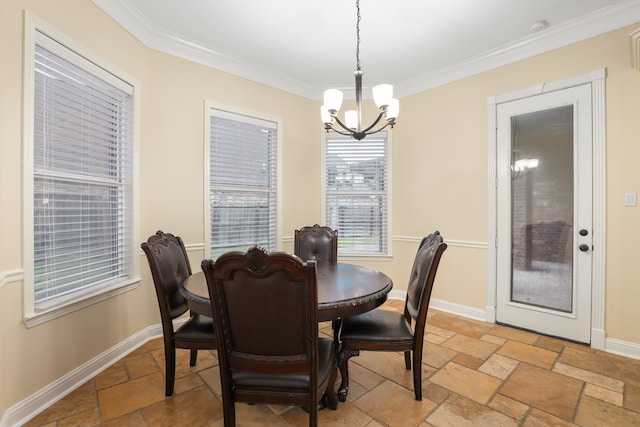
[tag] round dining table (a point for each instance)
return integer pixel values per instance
(344, 290)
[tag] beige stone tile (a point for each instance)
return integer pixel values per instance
(537, 418)
(130, 396)
(589, 377)
(140, 365)
(435, 339)
(434, 392)
(194, 407)
(133, 419)
(609, 396)
(545, 390)
(80, 400)
(458, 411)
(499, 366)
(466, 382)
(211, 377)
(186, 383)
(441, 332)
(112, 378)
(154, 344)
(632, 397)
(594, 412)
(509, 407)
(346, 415)
(384, 363)
(472, 346)
(86, 418)
(471, 328)
(363, 376)
(528, 353)
(394, 405)
(606, 364)
(468, 361)
(513, 334)
(252, 416)
(493, 339)
(436, 355)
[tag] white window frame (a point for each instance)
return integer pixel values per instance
(221, 110)
(35, 314)
(358, 255)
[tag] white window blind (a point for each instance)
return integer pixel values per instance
(82, 167)
(243, 184)
(356, 184)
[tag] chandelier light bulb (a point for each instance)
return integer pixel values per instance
(351, 119)
(382, 95)
(333, 99)
(393, 109)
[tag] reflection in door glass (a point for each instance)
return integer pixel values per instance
(542, 208)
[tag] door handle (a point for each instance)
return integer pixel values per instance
(583, 247)
(584, 232)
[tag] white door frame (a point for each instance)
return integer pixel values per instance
(598, 285)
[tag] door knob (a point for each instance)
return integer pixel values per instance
(583, 247)
(584, 232)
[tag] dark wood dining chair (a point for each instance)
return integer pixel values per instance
(385, 330)
(265, 314)
(169, 266)
(316, 242)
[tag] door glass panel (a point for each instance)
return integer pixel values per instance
(542, 208)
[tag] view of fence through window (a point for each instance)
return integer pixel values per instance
(357, 192)
(243, 185)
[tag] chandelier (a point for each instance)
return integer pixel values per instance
(352, 125)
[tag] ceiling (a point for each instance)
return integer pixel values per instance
(306, 46)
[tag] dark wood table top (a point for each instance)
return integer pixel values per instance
(344, 290)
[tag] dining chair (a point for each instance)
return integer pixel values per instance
(316, 242)
(169, 266)
(385, 330)
(265, 314)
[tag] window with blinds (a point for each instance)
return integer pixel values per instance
(242, 182)
(82, 174)
(356, 188)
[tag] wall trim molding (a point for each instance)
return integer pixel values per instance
(11, 276)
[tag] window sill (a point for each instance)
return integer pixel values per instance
(39, 316)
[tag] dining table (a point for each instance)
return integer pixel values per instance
(344, 290)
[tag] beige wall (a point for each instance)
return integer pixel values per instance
(439, 179)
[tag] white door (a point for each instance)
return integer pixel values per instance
(544, 208)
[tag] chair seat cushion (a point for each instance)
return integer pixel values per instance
(377, 326)
(271, 381)
(197, 328)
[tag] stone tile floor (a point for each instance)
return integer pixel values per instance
(474, 374)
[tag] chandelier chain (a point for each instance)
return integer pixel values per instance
(358, 36)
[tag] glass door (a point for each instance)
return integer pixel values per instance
(544, 198)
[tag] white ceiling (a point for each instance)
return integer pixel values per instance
(306, 46)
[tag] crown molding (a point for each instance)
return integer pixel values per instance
(608, 19)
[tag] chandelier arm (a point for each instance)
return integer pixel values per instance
(342, 125)
(375, 123)
(338, 131)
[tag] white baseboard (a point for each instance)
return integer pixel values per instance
(25, 410)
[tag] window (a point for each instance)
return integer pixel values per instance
(357, 194)
(242, 193)
(79, 161)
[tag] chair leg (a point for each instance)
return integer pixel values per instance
(169, 368)
(417, 373)
(193, 357)
(330, 393)
(407, 360)
(343, 359)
